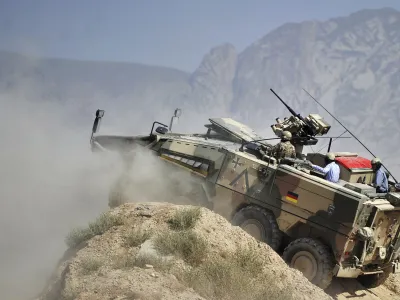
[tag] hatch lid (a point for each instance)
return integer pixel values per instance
(235, 128)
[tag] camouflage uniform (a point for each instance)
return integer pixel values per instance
(283, 149)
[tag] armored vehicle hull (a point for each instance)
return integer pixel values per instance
(324, 229)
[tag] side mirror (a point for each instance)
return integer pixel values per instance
(152, 127)
(177, 112)
(96, 123)
(161, 130)
(175, 117)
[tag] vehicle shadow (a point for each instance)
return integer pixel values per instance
(346, 288)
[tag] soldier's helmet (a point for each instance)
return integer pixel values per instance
(330, 156)
(376, 161)
(286, 136)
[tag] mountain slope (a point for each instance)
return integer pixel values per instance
(89, 85)
(323, 57)
(350, 64)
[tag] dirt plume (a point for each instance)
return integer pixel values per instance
(168, 251)
(50, 180)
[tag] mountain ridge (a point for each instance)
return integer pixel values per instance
(348, 63)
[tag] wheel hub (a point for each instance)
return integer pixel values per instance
(305, 262)
(253, 227)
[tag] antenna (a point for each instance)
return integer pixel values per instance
(330, 141)
(347, 131)
(177, 114)
(244, 143)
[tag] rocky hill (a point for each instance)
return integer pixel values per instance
(153, 251)
(164, 251)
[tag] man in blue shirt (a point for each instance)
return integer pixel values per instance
(381, 181)
(331, 170)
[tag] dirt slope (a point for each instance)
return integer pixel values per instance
(393, 284)
(165, 251)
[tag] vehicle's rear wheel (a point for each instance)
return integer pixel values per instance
(312, 258)
(259, 223)
(374, 280)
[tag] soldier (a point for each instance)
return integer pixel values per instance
(380, 181)
(331, 170)
(284, 148)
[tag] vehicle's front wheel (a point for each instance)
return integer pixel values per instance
(312, 258)
(260, 224)
(374, 280)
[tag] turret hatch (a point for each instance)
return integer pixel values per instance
(232, 128)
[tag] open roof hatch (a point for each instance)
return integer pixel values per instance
(234, 128)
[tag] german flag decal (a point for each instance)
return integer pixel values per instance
(292, 197)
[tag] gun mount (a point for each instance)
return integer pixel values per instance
(303, 130)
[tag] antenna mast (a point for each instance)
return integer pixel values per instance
(347, 131)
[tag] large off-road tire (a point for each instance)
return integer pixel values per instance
(312, 258)
(374, 280)
(259, 223)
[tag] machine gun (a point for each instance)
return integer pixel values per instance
(295, 162)
(303, 130)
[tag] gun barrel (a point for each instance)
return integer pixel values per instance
(287, 106)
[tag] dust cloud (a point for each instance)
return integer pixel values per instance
(49, 183)
(52, 182)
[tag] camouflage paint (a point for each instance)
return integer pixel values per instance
(304, 205)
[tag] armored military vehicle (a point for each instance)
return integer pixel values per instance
(321, 228)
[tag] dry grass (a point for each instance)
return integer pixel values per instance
(123, 262)
(184, 244)
(137, 236)
(185, 219)
(90, 265)
(129, 261)
(103, 223)
(233, 276)
(159, 263)
(77, 236)
(239, 276)
(69, 293)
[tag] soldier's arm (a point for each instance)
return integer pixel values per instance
(320, 169)
(274, 149)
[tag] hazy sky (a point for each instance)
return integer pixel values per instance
(173, 33)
